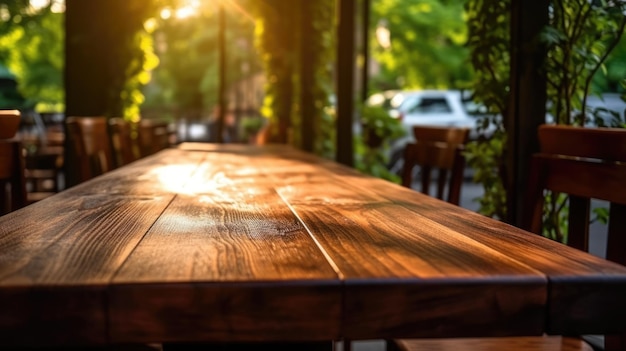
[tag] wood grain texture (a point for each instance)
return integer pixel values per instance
(410, 276)
(545, 343)
(228, 261)
(387, 253)
(585, 292)
(64, 263)
(164, 173)
(584, 163)
(58, 256)
(239, 244)
(600, 143)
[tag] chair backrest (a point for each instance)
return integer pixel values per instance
(585, 163)
(124, 149)
(91, 146)
(153, 136)
(9, 123)
(437, 148)
(11, 176)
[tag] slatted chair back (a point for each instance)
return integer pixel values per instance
(585, 163)
(91, 146)
(439, 149)
(12, 183)
(124, 148)
(153, 136)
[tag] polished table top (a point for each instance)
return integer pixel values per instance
(210, 242)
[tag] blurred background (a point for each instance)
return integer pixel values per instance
(254, 71)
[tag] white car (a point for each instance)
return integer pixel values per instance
(441, 108)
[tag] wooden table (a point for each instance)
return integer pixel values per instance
(239, 243)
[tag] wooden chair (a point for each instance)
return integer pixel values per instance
(153, 136)
(584, 163)
(437, 148)
(90, 146)
(124, 148)
(42, 175)
(12, 183)
(9, 123)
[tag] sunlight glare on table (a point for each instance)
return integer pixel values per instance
(190, 179)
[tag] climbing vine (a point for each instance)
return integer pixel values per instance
(580, 36)
(281, 45)
(488, 40)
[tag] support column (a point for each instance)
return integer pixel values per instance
(345, 83)
(528, 99)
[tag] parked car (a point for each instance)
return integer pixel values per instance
(442, 108)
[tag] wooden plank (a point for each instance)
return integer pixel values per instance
(163, 173)
(407, 276)
(431, 280)
(227, 262)
(58, 256)
(578, 281)
(585, 292)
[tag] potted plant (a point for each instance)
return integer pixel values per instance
(250, 127)
(379, 129)
(379, 126)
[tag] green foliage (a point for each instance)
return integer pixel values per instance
(31, 47)
(187, 78)
(611, 74)
(555, 214)
(379, 129)
(488, 41)
(485, 156)
(379, 126)
(251, 126)
(428, 40)
(137, 73)
(580, 38)
(279, 41)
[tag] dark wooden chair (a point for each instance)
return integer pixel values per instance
(585, 163)
(9, 123)
(153, 136)
(90, 145)
(441, 149)
(124, 148)
(42, 175)
(12, 183)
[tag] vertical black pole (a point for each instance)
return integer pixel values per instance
(345, 83)
(527, 107)
(222, 73)
(366, 52)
